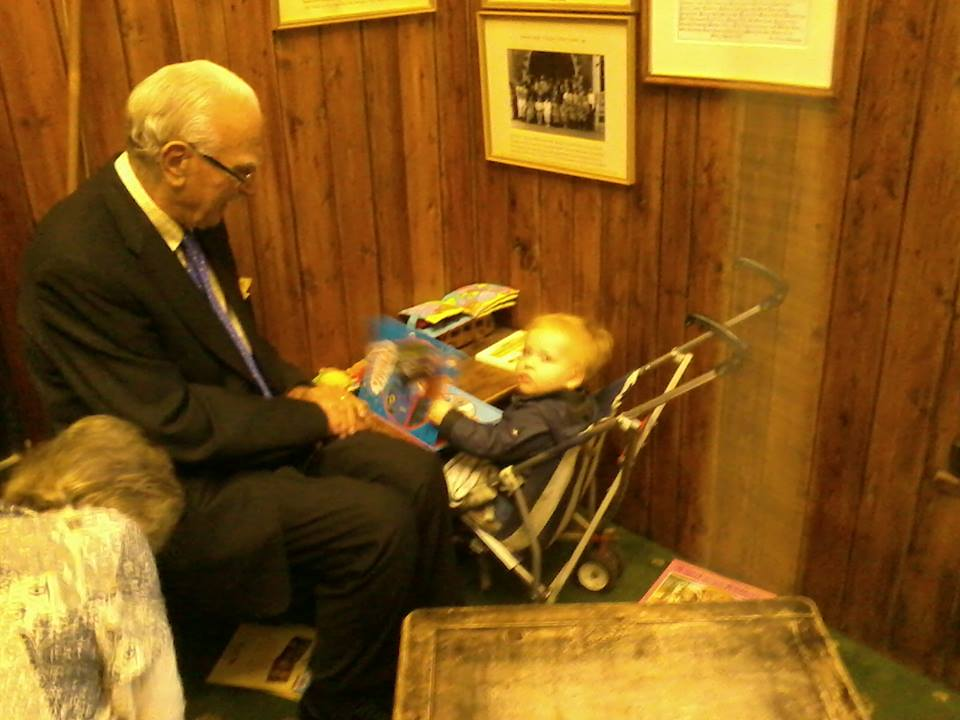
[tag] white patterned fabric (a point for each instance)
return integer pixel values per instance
(83, 628)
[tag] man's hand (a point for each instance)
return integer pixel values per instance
(346, 413)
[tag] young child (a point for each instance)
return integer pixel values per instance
(561, 352)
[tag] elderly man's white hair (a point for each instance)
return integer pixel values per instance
(178, 102)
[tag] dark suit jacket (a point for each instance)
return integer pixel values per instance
(113, 324)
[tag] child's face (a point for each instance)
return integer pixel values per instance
(548, 363)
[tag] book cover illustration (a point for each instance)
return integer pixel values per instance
(269, 658)
(684, 582)
(459, 306)
(401, 365)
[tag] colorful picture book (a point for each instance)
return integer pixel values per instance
(470, 301)
(270, 658)
(684, 582)
(401, 366)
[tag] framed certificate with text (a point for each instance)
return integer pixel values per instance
(559, 91)
(571, 5)
(297, 13)
(775, 45)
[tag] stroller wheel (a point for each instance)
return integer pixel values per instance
(600, 570)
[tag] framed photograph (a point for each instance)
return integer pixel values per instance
(558, 92)
(775, 45)
(573, 5)
(297, 13)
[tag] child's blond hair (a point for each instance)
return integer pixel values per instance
(592, 343)
(102, 461)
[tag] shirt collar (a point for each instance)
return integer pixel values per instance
(169, 229)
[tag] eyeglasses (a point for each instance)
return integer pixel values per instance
(241, 176)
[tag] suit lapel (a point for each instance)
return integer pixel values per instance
(186, 300)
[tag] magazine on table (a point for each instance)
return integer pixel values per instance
(685, 582)
(504, 353)
(474, 300)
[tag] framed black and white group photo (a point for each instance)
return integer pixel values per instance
(558, 92)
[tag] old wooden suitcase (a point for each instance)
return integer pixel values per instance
(756, 660)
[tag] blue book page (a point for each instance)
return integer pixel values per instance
(400, 363)
(472, 406)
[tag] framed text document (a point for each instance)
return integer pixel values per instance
(297, 13)
(564, 5)
(777, 45)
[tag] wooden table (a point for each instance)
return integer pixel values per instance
(486, 382)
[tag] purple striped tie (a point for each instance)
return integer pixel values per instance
(199, 272)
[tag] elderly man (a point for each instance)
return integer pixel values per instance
(130, 307)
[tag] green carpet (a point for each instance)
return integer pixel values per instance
(893, 691)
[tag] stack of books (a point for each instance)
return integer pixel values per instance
(458, 307)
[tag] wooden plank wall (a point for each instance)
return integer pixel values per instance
(812, 470)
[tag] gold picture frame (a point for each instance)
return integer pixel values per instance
(301, 13)
(788, 46)
(565, 5)
(559, 92)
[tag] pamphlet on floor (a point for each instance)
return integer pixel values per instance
(684, 582)
(270, 658)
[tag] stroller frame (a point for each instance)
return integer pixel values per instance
(581, 456)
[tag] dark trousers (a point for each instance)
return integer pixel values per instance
(362, 531)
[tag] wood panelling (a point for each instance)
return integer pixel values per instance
(35, 83)
(105, 83)
(349, 148)
(388, 164)
(914, 354)
(925, 629)
(456, 93)
(880, 163)
(310, 166)
(15, 219)
(812, 469)
(150, 35)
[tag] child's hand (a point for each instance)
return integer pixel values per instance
(438, 410)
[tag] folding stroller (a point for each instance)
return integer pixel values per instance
(574, 504)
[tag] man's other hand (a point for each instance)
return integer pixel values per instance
(346, 413)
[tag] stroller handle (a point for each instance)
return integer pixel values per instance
(738, 347)
(775, 298)
(780, 287)
(711, 329)
(735, 359)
